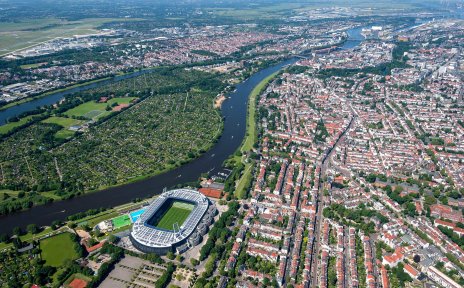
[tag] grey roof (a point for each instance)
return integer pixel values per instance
(427, 262)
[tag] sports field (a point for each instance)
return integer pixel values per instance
(121, 221)
(94, 110)
(66, 123)
(57, 249)
(177, 213)
(77, 280)
(62, 121)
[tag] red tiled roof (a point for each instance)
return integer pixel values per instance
(120, 107)
(411, 270)
(94, 247)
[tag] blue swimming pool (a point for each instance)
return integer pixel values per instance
(136, 214)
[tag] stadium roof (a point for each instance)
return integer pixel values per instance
(158, 238)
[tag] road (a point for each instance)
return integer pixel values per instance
(320, 205)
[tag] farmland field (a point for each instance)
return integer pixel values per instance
(177, 213)
(57, 249)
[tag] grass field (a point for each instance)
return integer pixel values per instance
(20, 35)
(251, 136)
(64, 134)
(9, 126)
(62, 121)
(279, 10)
(65, 123)
(31, 66)
(244, 181)
(57, 249)
(121, 221)
(11, 193)
(94, 110)
(178, 212)
(27, 237)
(95, 219)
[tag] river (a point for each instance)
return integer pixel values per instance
(55, 97)
(354, 38)
(234, 111)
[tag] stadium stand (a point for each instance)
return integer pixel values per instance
(150, 239)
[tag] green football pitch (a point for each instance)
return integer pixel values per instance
(121, 221)
(178, 212)
(56, 250)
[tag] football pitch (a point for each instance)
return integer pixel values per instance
(56, 250)
(95, 110)
(178, 212)
(121, 221)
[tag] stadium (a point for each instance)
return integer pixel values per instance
(176, 220)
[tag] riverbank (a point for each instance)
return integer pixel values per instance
(234, 113)
(63, 89)
(219, 100)
(90, 221)
(198, 145)
(251, 137)
(251, 132)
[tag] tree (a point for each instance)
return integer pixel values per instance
(194, 261)
(43, 274)
(164, 280)
(17, 231)
(429, 200)
(32, 228)
(17, 243)
(55, 224)
(170, 255)
(113, 239)
(402, 276)
(266, 282)
(410, 209)
(4, 238)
